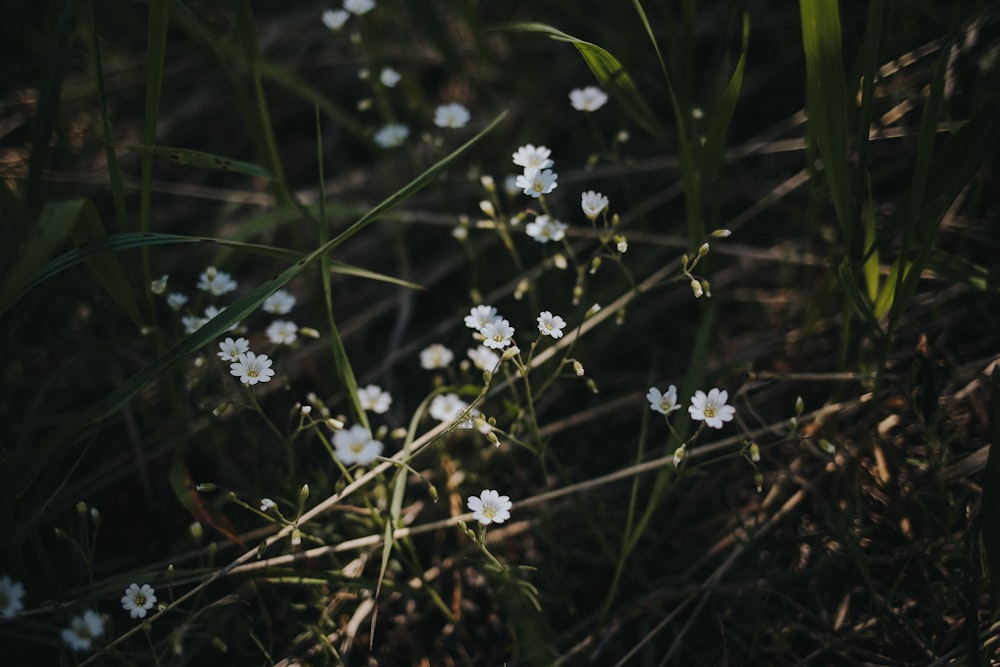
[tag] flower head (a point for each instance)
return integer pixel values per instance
(544, 229)
(216, 282)
(389, 77)
(593, 203)
(279, 303)
(356, 445)
(590, 98)
(176, 300)
(550, 325)
(211, 312)
(282, 332)
(83, 630)
(334, 19)
(252, 368)
(665, 402)
(230, 350)
(537, 182)
(373, 399)
(451, 115)
(159, 286)
(484, 358)
(359, 7)
(711, 409)
(391, 135)
(192, 323)
(498, 334)
(532, 157)
(480, 316)
(266, 505)
(138, 600)
(11, 597)
(447, 407)
(490, 507)
(435, 356)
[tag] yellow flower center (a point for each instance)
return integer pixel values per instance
(709, 410)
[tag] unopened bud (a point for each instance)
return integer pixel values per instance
(511, 352)
(335, 424)
(206, 487)
(81, 508)
(578, 368)
(365, 104)
(486, 207)
(696, 288)
(722, 233)
(703, 250)
(754, 452)
(492, 437)
(591, 385)
(593, 310)
(621, 244)
(196, 531)
(758, 480)
(522, 287)
(799, 406)
(577, 293)
(398, 433)
(309, 332)
(95, 516)
(594, 265)
(304, 492)
(827, 446)
(220, 408)
(679, 455)
(306, 410)
(488, 183)
(560, 261)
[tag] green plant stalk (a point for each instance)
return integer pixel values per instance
(159, 19)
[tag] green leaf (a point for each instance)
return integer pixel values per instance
(715, 140)
(201, 159)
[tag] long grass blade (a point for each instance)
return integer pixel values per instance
(201, 159)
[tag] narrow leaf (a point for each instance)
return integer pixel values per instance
(201, 159)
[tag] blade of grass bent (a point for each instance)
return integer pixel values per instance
(242, 307)
(201, 159)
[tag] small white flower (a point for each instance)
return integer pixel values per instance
(159, 286)
(83, 630)
(490, 507)
(279, 303)
(216, 282)
(11, 597)
(334, 19)
(480, 316)
(711, 409)
(484, 358)
(544, 229)
(282, 332)
(665, 402)
(532, 157)
(252, 368)
(435, 356)
(447, 407)
(452, 115)
(498, 334)
(230, 350)
(550, 325)
(211, 312)
(590, 98)
(537, 182)
(192, 323)
(266, 505)
(176, 300)
(138, 600)
(373, 399)
(359, 7)
(622, 245)
(392, 135)
(356, 445)
(389, 77)
(593, 203)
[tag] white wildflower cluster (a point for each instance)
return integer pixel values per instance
(588, 99)
(536, 179)
(710, 408)
(334, 19)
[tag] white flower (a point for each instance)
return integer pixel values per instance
(216, 282)
(480, 316)
(593, 203)
(622, 246)
(355, 445)
(537, 182)
(665, 402)
(279, 303)
(159, 286)
(11, 597)
(532, 157)
(590, 98)
(711, 409)
(230, 350)
(266, 505)
(544, 229)
(334, 19)
(484, 358)
(251, 368)
(389, 77)
(282, 332)
(497, 334)
(192, 323)
(359, 7)
(138, 600)
(447, 407)
(373, 399)
(451, 115)
(176, 300)
(550, 325)
(490, 507)
(392, 135)
(211, 312)
(435, 356)
(83, 629)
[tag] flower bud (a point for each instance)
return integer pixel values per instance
(722, 233)
(560, 261)
(754, 452)
(594, 265)
(703, 250)
(679, 455)
(593, 310)
(159, 286)
(799, 406)
(206, 487)
(304, 492)
(578, 368)
(758, 480)
(486, 207)
(488, 183)
(696, 288)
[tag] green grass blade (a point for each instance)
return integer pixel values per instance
(710, 162)
(201, 159)
(869, 70)
(349, 270)
(962, 270)
(827, 103)
(870, 267)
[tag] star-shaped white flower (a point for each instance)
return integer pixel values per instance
(83, 630)
(359, 7)
(279, 303)
(532, 157)
(334, 19)
(176, 300)
(373, 399)
(138, 600)
(498, 334)
(480, 316)
(537, 182)
(452, 115)
(593, 203)
(434, 356)
(216, 282)
(392, 135)
(490, 507)
(711, 409)
(230, 350)
(356, 445)
(252, 368)
(282, 332)
(447, 407)
(590, 98)
(11, 597)
(484, 358)
(550, 325)
(665, 402)
(544, 229)
(389, 77)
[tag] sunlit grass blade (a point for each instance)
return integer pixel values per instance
(962, 270)
(870, 267)
(610, 74)
(827, 103)
(201, 159)
(348, 270)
